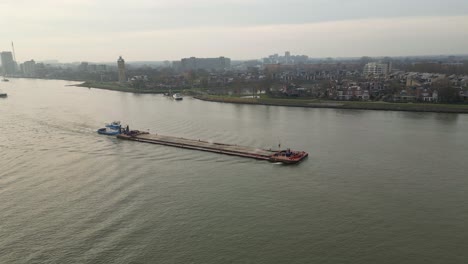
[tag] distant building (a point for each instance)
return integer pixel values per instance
(287, 57)
(166, 64)
(377, 69)
(42, 70)
(353, 92)
(92, 68)
(121, 66)
(29, 68)
(412, 82)
(8, 64)
(83, 67)
(177, 65)
(101, 68)
(209, 64)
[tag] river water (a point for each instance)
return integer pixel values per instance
(378, 187)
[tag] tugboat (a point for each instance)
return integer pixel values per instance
(288, 156)
(114, 125)
(108, 131)
(111, 129)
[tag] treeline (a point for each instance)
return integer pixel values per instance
(432, 67)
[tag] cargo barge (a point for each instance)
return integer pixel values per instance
(284, 156)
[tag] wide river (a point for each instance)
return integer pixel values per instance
(378, 187)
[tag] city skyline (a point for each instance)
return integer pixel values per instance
(84, 30)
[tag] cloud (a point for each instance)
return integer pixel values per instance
(373, 37)
(148, 29)
(62, 16)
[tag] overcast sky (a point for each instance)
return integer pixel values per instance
(101, 30)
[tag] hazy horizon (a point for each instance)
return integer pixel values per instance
(144, 30)
(52, 60)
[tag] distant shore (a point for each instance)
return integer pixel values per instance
(314, 103)
(123, 88)
(296, 102)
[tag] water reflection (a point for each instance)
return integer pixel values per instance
(444, 118)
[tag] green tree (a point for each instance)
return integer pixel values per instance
(265, 85)
(138, 84)
(364, 60)
(393, 87)
(446, 92)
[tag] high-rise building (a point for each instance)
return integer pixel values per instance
(8, 64)
(287, 57)
(121, 66)
(376, 69)
(83, 67)
(29, 68)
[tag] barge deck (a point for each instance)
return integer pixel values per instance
(284, 156)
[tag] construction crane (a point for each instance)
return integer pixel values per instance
(13, 48)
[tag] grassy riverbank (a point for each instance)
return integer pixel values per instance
(123, 88)
(315, 103)
(296, 102)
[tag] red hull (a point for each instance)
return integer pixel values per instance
(289, 157)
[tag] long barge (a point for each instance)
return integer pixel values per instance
(285, 156)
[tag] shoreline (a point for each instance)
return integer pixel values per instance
(119, 88)
(376, 106)
(306, 103)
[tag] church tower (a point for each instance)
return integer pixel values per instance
(121, 66)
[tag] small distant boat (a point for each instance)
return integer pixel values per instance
(3, 95)
(5, 80)
(177, 97)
